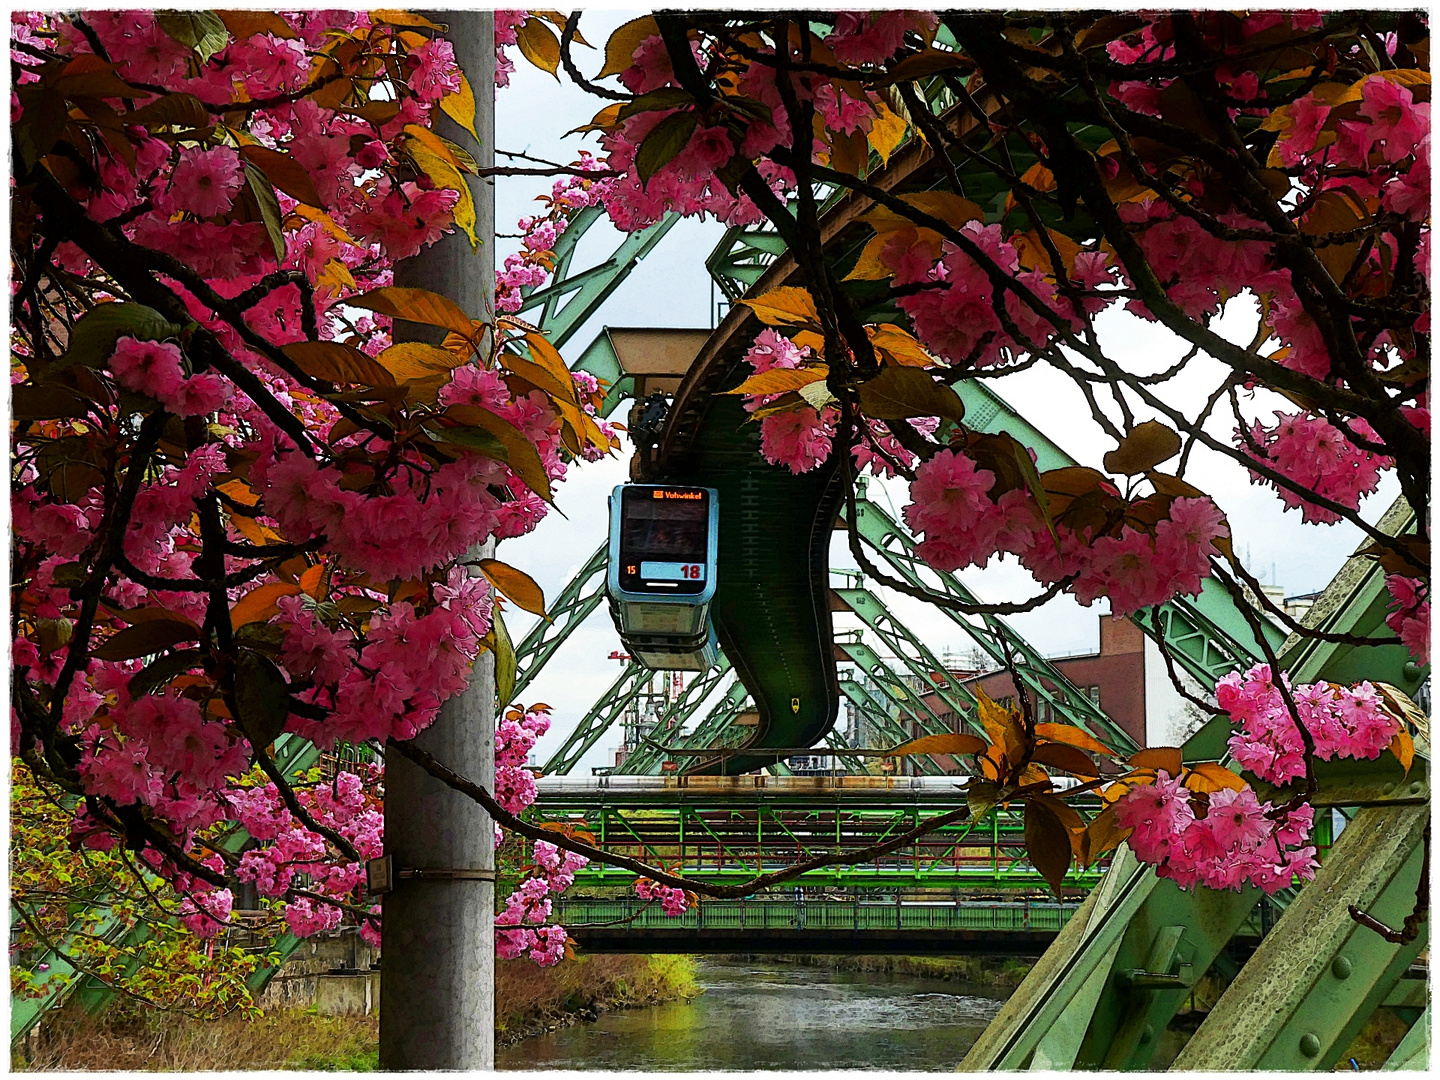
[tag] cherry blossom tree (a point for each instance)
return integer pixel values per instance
(241, 509)
(1021, 178)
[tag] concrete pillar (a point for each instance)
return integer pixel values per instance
(438, 958)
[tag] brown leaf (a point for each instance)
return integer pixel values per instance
(620, 49)
(785, 306)
(516, 584)
(781, 380)
(899, 393)
(952, 209)
(1146, 446)
(337, 362)
(244, 25)
(146, 637)
(1047, 842)
(408, 360)
(258, 605)
(284, 172)
(898, 345)
(1160, 758)
(416, 305)
(312, 582)
(1335, 211)
(949, 743)
(521, 455)
(539, 45)
(924, 64)
(1403, 747)
(1102, 835)
(1072, 736)
(1211, 776)
(1068, 758)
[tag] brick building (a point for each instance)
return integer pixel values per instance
(1126, 678)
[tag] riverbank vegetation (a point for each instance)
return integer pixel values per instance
(529, 1000)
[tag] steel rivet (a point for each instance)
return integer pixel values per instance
(1387, 789)
(1416, 787)
(1342, 967)
(1148, 1033)
(1310, 1044)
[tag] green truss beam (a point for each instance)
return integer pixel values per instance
(572, 297)
(582, 594)
(628, 686)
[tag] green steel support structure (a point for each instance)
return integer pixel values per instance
(581, 595)
(1112, 981)
(586, 289)
(626, 688)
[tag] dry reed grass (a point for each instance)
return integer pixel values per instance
(529, 1000)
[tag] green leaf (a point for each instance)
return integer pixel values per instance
(981, 796)
(505, 664)
(92, 339)
(201, 30)
(482, 442)
(262, 698)
(663, 144)
(269, 208)
(667, 97)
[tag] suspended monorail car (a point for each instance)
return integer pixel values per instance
(663, 541)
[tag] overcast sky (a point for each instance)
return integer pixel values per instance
(671, 288)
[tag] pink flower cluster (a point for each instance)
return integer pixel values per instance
(155, 369)
(507, 25)
(873, 37)
(955, 317)
(530, 267)
(962, 525)
(529, 906)
(1342, 723)
(1234, 840)
(672, 901)
(1317, 455)
(1410, 614)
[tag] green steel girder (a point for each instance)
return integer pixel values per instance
(582, 594)
(1318, 975)
(612, 704)
(878, 717)
(1356, 601)
(724, 842)
(838, 744)
(893, 543)
(718, 722)
(919, 661)
(1413, 1053)
(902, 699)
(645, 759)
(1080, 1009)
(559, 317)
(63, 983)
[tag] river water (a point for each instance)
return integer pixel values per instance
(764, 1015)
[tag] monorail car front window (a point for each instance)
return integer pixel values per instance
(664, 535)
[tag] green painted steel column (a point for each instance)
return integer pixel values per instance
(1317, 977)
